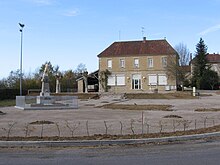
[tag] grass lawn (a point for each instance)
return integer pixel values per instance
(6, 103)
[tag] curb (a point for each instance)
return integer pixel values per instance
(93, 143)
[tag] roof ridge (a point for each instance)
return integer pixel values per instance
(140, 40)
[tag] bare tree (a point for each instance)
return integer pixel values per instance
(87, 127)
(121, 128)
(186, 124)
(178, 65)
(175, 124)
(73, 127)
(132, 126)
(184, 54)
(8, 130)
(26, 129)
(58, 129)
(106, 127)
(42, 130)
(148, 127)
(161, 126)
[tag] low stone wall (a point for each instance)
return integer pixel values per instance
(46, 102)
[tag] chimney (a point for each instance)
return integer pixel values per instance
(144, 39)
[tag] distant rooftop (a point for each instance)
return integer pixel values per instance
(213, 57)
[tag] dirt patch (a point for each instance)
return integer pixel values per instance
(2, 113)
(172, 116)
(115, 137)
(104, 102)
(150, 107)
(208, 110)
(41, 122)
(89, 105)
(176, 95)
(80, 95)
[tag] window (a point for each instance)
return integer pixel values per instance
(136, 81)
(120, 79)
(136, 63)
(109, 63)
(116, 80)
(152, 79)
(164, 61)
(111, 80)
(122, 63)
(162, 79)
(150, 63)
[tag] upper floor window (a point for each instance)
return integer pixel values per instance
(150, 63)
(136, 63)
(109, 63)
(122, 63)
(164, 61)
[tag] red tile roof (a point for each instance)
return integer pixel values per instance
(186, 68)
(213, 58)
(138, 48)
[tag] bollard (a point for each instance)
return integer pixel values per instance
(194, 91)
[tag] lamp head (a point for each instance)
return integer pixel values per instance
(21, 25)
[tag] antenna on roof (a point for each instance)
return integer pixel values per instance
(142, 31)
(119, 35)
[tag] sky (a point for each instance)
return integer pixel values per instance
(70, 32)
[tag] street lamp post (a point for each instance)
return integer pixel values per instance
(21, 30)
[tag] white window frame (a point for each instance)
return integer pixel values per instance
(122, 63)
(116, 80)
(138, 80)
(162, 79)
(109, 63)
(120, 79)
(152, 79)
(111, 80)
(150, 62)
(164, 61)
(136, 62)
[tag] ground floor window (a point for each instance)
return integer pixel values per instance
(116, 80)
(136, 81)
(157, 79)
(111, 80)
(152, 79)
(162, 79)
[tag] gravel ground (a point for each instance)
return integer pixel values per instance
(90, 119)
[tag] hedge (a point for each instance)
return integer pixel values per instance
(6, 94)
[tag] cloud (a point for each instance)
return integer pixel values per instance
(71, 13)
(42, 2)
(210, 30)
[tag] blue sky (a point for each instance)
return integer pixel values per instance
(70, 32)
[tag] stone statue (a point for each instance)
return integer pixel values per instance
(58, 77)
(45, 89)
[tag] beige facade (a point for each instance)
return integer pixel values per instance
(136, 72)
(142, 73)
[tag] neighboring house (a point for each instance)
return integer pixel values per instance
(137, 66)
(214, 61)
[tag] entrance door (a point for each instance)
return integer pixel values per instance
(136, 81)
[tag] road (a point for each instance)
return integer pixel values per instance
(193, 153)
